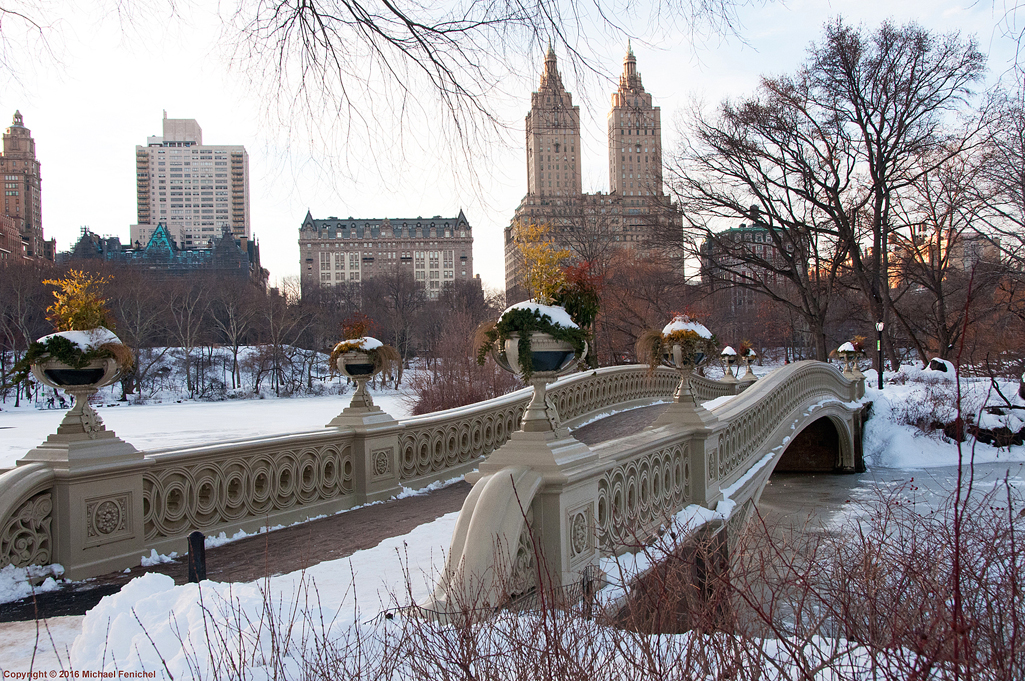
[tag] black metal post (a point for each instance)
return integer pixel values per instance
(879, 349)
(197, 556)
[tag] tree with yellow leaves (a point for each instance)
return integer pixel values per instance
(78, 305)
(542, 260)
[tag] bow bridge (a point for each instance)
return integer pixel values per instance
(93, 503)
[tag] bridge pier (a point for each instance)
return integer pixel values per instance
(685, 412)
(375, 447)
(535, 502)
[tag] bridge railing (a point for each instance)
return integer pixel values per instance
(578, 503)
(96, 518)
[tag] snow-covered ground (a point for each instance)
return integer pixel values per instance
(156, 426)
(155, 626)
(918, 396)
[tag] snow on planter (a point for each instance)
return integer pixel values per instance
(87, 340)
(728, 351)
(683, 323)
(847, 347)
(364, 343)
(556, 313)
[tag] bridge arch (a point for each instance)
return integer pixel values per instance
(824, 444)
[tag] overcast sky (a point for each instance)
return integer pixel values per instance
(108, 82)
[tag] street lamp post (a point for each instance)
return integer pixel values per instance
(879, 351)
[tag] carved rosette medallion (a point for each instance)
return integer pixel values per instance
(381, 462)
(578, 533)
(108, 519)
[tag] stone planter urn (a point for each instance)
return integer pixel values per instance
(850, 355)
(359, 359)
(687, 344)
(682, 344)
(747, 356)
(729, 360)
(550, 359)
(83, 382)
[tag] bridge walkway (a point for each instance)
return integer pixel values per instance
(306, 544)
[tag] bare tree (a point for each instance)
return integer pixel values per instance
(23, 302)
(284, 323)
(395, 300)
(233, 312)
(1001, 186)
(766, 151)
(140, 310)
(943, 271)
(188, 305)
(825, 153)
(378, 67)
(888, 94)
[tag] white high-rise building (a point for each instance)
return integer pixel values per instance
(197, 190)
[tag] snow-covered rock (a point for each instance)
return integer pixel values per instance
(941, 366)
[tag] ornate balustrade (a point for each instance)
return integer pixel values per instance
(249, 484)
(446, 443)
(103, 513)
(639, 488)
(752, 418)
(246, 485)
(647, 478)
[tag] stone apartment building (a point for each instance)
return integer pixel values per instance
(10, 240)
(196, 190)
(21, 229)
(733, 257)
(435, 251)
(636, 203)
(960, 250)
(161, 258)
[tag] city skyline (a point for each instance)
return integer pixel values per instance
(292, 173)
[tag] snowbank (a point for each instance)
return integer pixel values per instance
(151, 622)
(898, 434)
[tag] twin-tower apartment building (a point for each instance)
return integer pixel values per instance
(636, 203)
(438, 250)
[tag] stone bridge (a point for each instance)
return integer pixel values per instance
(93, 503)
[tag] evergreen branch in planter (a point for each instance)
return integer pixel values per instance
(383, 357)
(653, 344)
(523, 322)
(65, 351)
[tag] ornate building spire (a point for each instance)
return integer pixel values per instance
(630, 81)
(550, 78)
